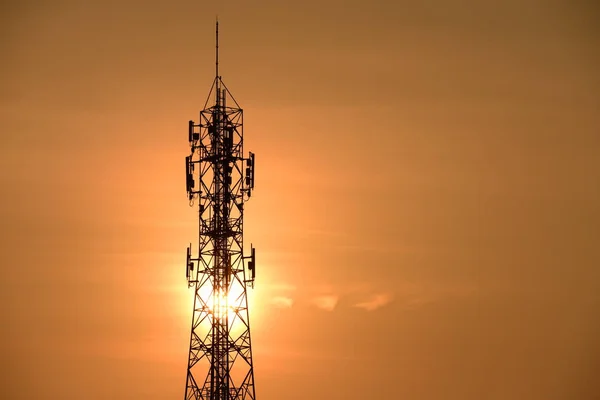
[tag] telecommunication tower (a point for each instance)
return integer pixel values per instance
(220, 180)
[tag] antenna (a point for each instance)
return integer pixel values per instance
(217, 50)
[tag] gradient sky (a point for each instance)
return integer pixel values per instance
(426, 212)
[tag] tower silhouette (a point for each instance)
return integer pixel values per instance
(219, 179)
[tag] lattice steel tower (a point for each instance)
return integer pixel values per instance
(220, 180)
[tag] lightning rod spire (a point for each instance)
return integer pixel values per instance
(217, 49)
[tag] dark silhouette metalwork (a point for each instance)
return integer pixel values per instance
(220, 180)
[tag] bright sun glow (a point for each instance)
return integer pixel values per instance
(221, 304)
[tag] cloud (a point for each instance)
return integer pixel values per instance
(377, 301)
(282, 302)
(326, 303)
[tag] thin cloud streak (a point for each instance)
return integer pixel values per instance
(377, 301)
(282, 302)
(327, 303)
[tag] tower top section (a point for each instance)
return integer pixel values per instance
(221, 93)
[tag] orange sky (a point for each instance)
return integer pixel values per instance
(426, 210)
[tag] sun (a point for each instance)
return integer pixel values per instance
(223, 303)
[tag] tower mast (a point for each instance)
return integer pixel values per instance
(219, 179)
